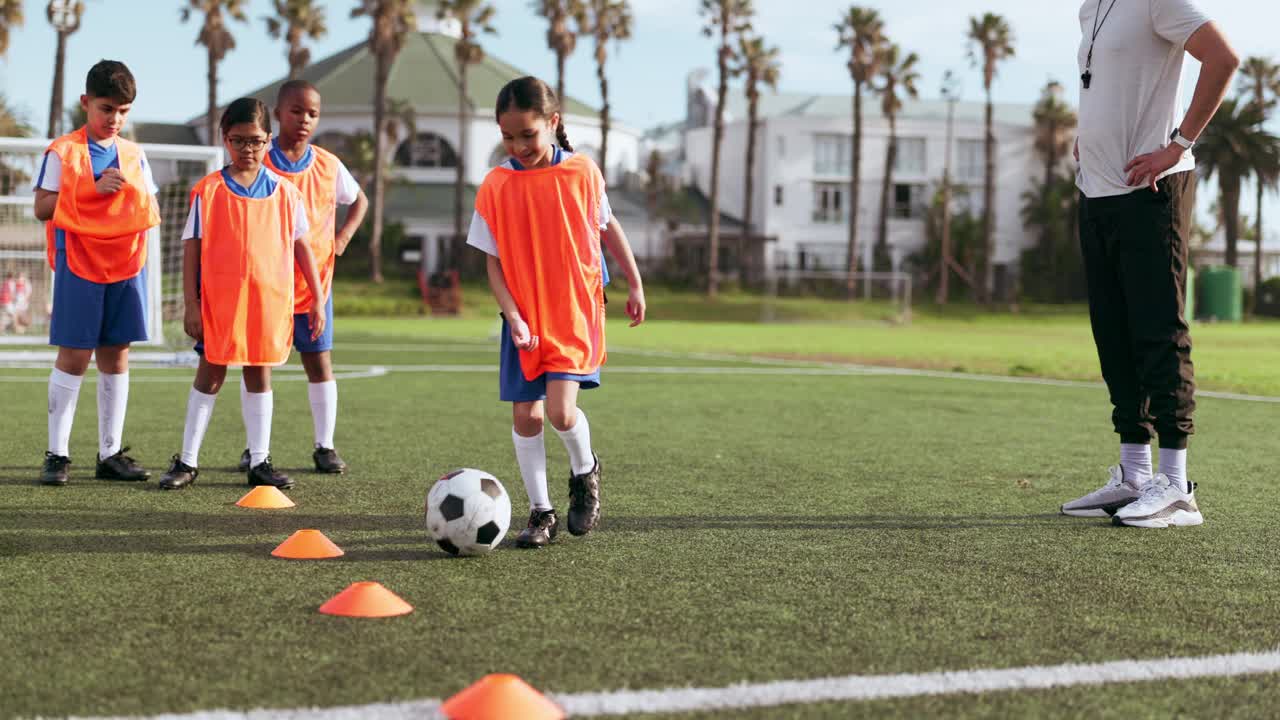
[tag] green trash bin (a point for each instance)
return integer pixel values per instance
(1220, 296)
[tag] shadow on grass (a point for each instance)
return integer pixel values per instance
(624, 523)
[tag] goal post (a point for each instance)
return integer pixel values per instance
(24, 315)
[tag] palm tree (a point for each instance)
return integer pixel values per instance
(64, 16)
(604, 20)
(990, 43)
(861, 30)
(10, 18)
(897, 75)
(218, 41)
(391, 20)
(1235, 146)
(474, 17)
(297, 20)
(724, 18)
(1261, 77)
(1054, 123)
(760, 65)
(13, 123)
(560, 37)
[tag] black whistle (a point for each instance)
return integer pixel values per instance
(1085, 78)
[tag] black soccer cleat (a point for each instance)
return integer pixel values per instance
(244, 462)
(328, 462)
(264, 474)
(179, 475)
(120, 467)
(543, 526)
(54, 471)
(584, 500)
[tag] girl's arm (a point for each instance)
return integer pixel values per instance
(306, 262)
(616, 240)
(520, 334)
(191, 320)
(355, 216)
(46, 201)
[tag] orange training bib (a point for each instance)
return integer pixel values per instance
(319, 186)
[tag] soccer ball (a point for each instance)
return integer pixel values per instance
(468, 512)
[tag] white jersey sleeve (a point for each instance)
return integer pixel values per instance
(50, 176)
(192, 230)
(301, 226)
(146, 173)
(348, 189)
(479, 236)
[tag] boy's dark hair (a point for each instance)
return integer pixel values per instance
(245, 110)
(293, 86)
(530, 93)
(111, 79)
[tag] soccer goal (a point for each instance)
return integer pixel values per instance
(888, 291)
(26, 282)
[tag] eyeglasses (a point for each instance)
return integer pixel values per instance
(240, 143)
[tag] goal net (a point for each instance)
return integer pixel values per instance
(26, 292)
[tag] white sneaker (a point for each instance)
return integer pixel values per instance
(1106, 500)
(1161, 504)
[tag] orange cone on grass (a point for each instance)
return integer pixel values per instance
(366, 599)
(265, 497)
(307, 545)
(501, 697)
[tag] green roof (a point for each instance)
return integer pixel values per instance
(424, 74)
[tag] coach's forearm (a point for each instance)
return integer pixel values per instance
(191, 271)
(1218, 63)
(498, 285)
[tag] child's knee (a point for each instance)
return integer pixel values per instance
(562, 417)
(527, 418)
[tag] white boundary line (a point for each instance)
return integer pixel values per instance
(848, 688)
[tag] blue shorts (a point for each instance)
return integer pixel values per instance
(512, 387)
(88, 315)
(302, 341)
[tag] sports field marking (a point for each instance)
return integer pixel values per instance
(848, 688)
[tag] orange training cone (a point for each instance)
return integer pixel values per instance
(499, 697)
(366, 599)
(307, 545)
(265, 497)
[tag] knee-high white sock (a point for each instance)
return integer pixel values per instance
(1173, 464)
(577, 440)
(244, 393)
(64, 390)
(113, 398)
(1135, 460)
(531, 456)
(257, 424)
(324, 410)
(199, 411)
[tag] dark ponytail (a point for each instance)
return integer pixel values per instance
(245, 110)
(530, 93)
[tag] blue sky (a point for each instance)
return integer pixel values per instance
(646, 73)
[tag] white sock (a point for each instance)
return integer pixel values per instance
(1173, 463)
(64, 390)
(257, 424)
(113, 398)
(244, 392)
(199, 411)
(577, 440)
(531, 456)
(324, 410)
(1135, 460)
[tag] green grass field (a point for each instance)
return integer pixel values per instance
(757, 527)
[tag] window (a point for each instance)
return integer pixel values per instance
(828, 202)
(831, 154)
(910, 159)
(777, 196)
(969, 159)
(426, 150)
(908, 200)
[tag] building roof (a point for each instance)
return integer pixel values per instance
(781, 104)
(424, 74)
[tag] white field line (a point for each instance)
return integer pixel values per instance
(848, 688)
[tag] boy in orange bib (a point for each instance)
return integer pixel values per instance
(542, 216)
(96, 196)
(246, 231)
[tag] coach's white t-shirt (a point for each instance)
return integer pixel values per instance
(1134, 98)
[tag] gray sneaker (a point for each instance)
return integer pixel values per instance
(1106, 500)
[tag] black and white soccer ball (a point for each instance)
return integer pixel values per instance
(468, 512)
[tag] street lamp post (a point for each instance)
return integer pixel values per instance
(64, 16)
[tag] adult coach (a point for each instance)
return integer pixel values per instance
(1137, 185)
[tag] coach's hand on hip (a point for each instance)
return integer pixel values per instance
(1144, 169)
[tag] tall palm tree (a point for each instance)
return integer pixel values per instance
(724, 18)
(1260, 76)
(1054, 122)
(391, 21)
(64, 16)
(560, 37)
(604, 20)
(10, 18)
(761, 66)
(297, 20)
(990, 43)
(898, 78)
(862, 32)
(218, 41)
(474, 17)
(1235, 146)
